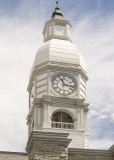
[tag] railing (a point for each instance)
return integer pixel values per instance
(62, 125)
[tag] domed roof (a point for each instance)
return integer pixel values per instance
(57, 11)
(61, 51)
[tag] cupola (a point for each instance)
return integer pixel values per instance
(57, 27)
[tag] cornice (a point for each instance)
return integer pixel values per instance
(57, 37)
(56, 20)
(88, 151)
(57, 101)
(62, 101)
(47, 137)
(56, 66)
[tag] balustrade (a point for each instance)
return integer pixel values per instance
(62, 125)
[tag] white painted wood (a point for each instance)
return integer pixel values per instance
(36, 118)
(78, 85)
(45, 113)
(40, 77)
(78, 116)
(82, 81)
(86, 120)
(59, 56)
(50, 30)
(42, 88)
(59, 30)
(41, 94)
(59, 51)
(39, 119)
(42, 82)
(48, 82)
(82, 88)
(81, 116)
(82, 94)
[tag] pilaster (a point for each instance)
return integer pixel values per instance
(48, 145)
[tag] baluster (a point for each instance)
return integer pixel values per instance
(54, 125)
(62, 125)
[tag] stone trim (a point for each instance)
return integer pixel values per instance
(47, 137)
(111, 148)
(75, 151)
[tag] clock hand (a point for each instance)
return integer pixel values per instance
(72, 86)
(62, 83)
(68, 85)
(61, 79)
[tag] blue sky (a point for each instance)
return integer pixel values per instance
(21, 25)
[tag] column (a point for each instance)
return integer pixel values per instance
(81, 116)
(86, 118)
(29, 129)
(47, 122)
(78, 85)
(39, 118)
(48, 82)
(80, 119)
(36, 118)
(78, 116)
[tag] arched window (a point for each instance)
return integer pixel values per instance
(62, 120)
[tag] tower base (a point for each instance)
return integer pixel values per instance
(48, 145)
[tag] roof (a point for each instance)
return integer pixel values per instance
(56, 50)
(14, 153)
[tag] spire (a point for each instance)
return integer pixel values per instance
(57, 11)
(56, 5)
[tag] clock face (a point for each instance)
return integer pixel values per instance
(64, 84)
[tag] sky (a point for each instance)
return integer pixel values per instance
(21, 26)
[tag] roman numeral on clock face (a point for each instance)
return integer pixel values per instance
(56, 87)
(64, 84)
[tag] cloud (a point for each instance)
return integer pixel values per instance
(100, 144)
(103, 116)
(93, 113)
(112, 116)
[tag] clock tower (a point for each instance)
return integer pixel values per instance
(57, 88)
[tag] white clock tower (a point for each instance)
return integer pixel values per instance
(57, 86)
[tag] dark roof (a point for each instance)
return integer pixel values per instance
(14, 153)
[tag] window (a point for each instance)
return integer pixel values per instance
(59, 30)
(62, 120)
(46, 34)
(68, 32)
(62, 117)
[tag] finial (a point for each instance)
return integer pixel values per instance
(56, 4)
(57, 11)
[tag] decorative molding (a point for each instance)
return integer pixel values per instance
(75, 151)
(42, 68)
(47, 137)
(41, 79)
(42, 91)
(45, 84)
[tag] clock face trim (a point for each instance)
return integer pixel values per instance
(63, 84)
